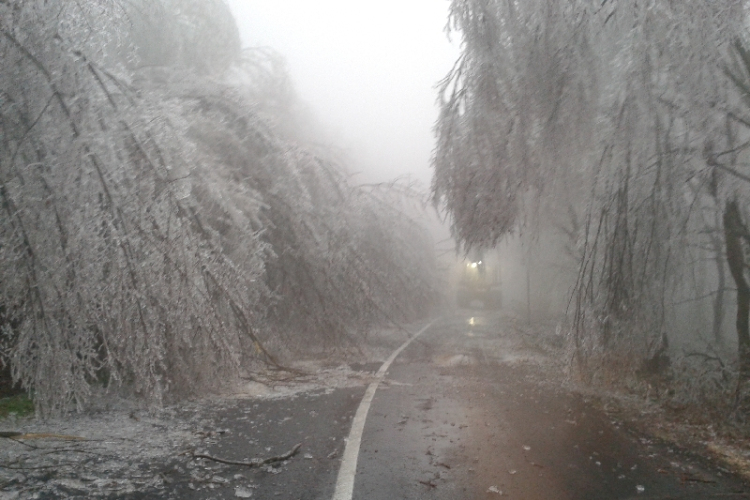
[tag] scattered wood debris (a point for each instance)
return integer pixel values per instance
(428, 483)
(255, 462)
(39, 435)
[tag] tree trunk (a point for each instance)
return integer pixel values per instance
(718, 305)
(734, 232)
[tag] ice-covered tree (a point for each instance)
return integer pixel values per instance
(157, 230)
(109, 268)
(610, 111)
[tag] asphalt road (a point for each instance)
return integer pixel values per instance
(466, 411)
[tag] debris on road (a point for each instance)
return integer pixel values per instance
(255, 462)
(428, 483)
(243, 492)
(39, 435)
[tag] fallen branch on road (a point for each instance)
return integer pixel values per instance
(255, 462)
(695, 479)
(14, 435)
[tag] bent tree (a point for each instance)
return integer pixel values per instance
(618, 114)
(736, 233)
(737, 239)
(108, 268)
(164, 225)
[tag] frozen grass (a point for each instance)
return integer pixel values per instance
(20, 406)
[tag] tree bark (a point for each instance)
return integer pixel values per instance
(734, 232)
(718, 305)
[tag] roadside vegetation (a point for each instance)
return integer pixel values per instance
(613, 136)
(169, 221)
(20, 406)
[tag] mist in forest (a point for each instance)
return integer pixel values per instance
(250, 180)
(180, 208)
(367, 71)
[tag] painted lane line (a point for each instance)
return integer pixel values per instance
(345, 480)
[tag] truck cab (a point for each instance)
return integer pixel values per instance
(479, 281)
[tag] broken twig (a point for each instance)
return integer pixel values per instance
(695, 479)
(34, 435)
(255, 462)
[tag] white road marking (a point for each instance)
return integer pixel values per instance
(345, 480)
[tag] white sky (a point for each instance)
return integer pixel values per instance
(366, 68)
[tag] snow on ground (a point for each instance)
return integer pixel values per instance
(121, 450)
(118, 448)
(92, 454)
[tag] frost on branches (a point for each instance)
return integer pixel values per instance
(620, 115)
(156, 231)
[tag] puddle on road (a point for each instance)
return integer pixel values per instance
(510, 358)
(496, 356)
(454, 360)
(477, 321)
(254, 389)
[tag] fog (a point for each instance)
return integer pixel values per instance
(367, 70)
(184, 219)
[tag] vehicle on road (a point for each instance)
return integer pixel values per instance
(479, 282)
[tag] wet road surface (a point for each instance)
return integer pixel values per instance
(466, 411)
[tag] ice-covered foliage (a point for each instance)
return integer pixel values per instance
(342, 257)
(611, 111)
(155, 229)
(515, 86)
(109, 267)
(197, 34)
